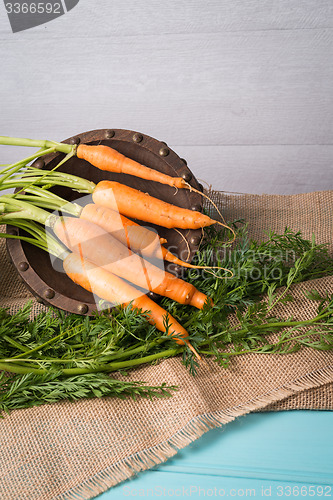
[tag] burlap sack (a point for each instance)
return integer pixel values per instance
(77, 450)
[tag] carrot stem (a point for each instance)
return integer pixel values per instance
(109, 367)
(18, 141)
(15, 167)
(9, 367)
(23, 210)
(39, 238)
(66, 180)
(46, 199)
(44, 174)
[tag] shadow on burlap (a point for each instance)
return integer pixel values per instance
(71, 450)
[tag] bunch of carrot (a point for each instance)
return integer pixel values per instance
(107, 253)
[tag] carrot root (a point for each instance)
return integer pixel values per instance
(223, 223)
(109, 159)
(129, 233)
(138, 205)
(101, 248)
(116, 291)
(170, 257)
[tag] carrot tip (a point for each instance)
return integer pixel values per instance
(199, 299)
(196, 354)
(204, 362)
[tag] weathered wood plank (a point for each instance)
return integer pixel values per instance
(130, 17)
(271, 87)
(262, 169)
(249, 169)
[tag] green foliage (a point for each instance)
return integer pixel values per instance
(34, 390)
(65, 356)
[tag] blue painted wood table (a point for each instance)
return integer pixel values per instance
(275, 455)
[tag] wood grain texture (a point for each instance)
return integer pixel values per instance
(254, 169)
(271, 87)
(251, 73)
(153, 17)
(256, 456)
(262, 169)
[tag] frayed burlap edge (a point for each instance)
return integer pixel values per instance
(194, 429)
(94, 484)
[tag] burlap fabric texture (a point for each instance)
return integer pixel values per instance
(78, 450)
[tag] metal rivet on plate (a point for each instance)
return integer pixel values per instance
(173, 269)
(23, 266)
(153, 296)
(195, 240)
(137, 137)
(109, 134)
(187, 176)
(196, 208)
(75, 140)
(82, 308)
(164, 151)
(170, 268)
(39, 163)
(184, 161)
(49, 293)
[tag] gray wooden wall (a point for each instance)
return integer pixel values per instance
(242, 89)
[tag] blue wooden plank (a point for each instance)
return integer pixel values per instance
(177, 486)
(276, 454)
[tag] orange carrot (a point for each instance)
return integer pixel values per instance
(137, 238)
(106, 158)
(138, 205)
(102, 157)
(116, 291)
(131, 234)
(105, 251)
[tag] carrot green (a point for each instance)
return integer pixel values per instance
(58, 356)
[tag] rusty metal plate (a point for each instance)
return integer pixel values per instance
(53, 287)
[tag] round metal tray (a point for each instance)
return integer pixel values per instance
(53, 287)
